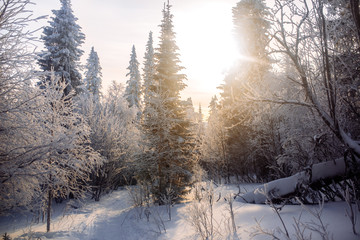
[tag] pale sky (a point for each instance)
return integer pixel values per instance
(203, 34)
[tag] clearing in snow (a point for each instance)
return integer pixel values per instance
(114, 217)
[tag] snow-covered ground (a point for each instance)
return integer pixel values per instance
(113, 217)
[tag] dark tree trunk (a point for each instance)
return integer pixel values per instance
(48, 219)
(354, 4)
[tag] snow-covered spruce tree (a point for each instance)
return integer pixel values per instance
(200, 129)
(250, 27)
(170, 141)
(145, 164)
(132, 95)
(190, 111)
(196, 127)
(200, 116)
(93, 75)
(62, 40)
(213, 106)
(133, 85)
(194, 117)
(149, 70)
(213, 146)
(89, 105)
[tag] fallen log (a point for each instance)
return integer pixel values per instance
(315, 176)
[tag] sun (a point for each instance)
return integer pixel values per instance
(206, 41)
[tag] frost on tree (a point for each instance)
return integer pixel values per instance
(170, 142)
(213, 146)
(93, 75)
(236, 113)
(329, 83)
(62, 40)
(70, 159)
(21, 131)
(133, 87)
(149, 87)
(113, 135)
(44, 144)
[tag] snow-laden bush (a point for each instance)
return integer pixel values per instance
(200, 212)
(203, 214)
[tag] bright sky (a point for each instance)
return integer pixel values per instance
(203, 28)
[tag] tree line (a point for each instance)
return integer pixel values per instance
(61, 138)
(290, 102)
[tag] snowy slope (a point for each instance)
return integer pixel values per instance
(114, 218)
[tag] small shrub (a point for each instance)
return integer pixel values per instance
(6, 237)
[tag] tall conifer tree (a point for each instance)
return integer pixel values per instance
(251, 31)
(149, 70)
(170, 141)
(62, 40)
(93, 75)
(133, 87)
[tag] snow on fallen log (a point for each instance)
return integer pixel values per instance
(288, 186)
(276, 188)
(327, 170)
(350, 142)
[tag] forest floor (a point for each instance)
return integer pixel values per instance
(113, 217)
